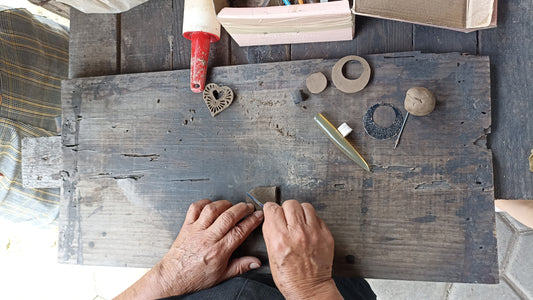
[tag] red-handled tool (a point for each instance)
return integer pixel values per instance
(200, 25)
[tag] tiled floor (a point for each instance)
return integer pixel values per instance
(30, 271)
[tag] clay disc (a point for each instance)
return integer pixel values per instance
(378, 132)
(346, 85)
(316, 82)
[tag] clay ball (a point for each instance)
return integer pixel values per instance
(419, 101)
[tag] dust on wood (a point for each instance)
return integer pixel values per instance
(510, 48)
(93, 44)
(42, 162)
(425, 213)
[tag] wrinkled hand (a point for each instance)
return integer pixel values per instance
(199, 257)
(300, 250)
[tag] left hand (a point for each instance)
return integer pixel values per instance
(199, 257)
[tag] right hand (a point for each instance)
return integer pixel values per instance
(300, 251)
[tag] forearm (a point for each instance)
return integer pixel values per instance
(153, 285)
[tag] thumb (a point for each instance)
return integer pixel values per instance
(241, 265)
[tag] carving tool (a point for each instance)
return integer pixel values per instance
(420, 102)
(263, 194)
(201, 27)
(255, 200)
(337, 136)
(401, 131)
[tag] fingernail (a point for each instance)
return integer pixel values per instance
(258, 214)
(250, 205)
(270, 203)
(254, 266)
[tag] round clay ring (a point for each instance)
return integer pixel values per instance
(316, 82)
(378, 132)
(346, 85)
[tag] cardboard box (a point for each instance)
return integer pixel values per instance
(460, 15)
(291, 24)
(334, 21)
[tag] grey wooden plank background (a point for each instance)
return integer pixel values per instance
(42, 162)
(93, 46)
(140, 148)
(509, 47)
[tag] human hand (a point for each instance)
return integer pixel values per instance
(300, 251)
(199, 257)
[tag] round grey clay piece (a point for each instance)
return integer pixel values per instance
(419, 101)
(377, 131)
(346, 85)
(316, 83)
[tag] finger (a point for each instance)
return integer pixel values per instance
(236, 236)
(310, 215)
(294, 212)
(323, 224)
(241, 265)
(211, 211)
(329, 240)
(274, 218)
(194, 210)
(227, 220)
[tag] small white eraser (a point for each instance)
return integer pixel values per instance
(344, 129)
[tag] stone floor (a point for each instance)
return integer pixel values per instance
(29, 270)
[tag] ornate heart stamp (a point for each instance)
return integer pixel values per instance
(217, 98)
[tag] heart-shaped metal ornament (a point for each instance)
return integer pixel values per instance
(217, 98)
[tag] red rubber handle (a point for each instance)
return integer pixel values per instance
(200, 43)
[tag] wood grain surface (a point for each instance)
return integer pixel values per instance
(42, 162)
(510, 47)
(139, 148)
(153, 32)
(93, 44)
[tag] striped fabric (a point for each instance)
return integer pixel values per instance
(35, 206)
(33, 61)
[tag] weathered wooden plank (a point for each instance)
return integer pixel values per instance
(140, 148)
(437, 40)
(144, 51)
(510, 47)
(258, 54)
(42, 162)
(148, 35)
(220, 53)
(382, 36)
(181, 55)
(93, 44)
